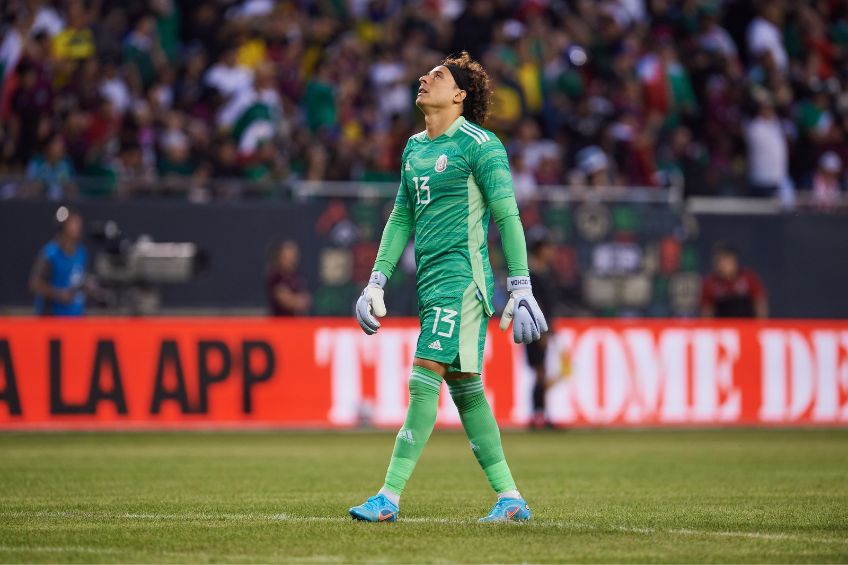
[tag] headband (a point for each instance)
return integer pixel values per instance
(460, 77)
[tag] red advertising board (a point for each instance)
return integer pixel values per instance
(239, 372)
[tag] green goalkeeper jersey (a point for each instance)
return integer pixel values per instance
(448, 186)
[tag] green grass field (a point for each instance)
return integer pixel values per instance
(681, 496)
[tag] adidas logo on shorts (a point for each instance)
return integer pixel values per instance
(435, 345)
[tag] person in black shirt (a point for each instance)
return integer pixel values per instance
(541, 255)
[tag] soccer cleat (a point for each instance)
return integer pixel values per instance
(376, 509)
(509, 510)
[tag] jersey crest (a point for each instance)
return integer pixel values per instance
(441, 163)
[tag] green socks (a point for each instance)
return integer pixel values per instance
(424, 387)
(482, 431)
(477, 419)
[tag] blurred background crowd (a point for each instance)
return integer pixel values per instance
(715, 97)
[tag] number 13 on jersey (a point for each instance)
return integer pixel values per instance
(421, 186)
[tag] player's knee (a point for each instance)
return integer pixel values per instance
(420, 390)
(424, 383)
(466, 392)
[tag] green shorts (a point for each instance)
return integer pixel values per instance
(453, 331)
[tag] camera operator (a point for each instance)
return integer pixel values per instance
(58, 279)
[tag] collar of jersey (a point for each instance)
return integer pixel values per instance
(448, 132)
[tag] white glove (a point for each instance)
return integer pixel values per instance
(371, 301)
(528, 321)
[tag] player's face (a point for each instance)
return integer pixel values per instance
(437, 89)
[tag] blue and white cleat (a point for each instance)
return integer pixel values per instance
(376, 509)
(509, 510)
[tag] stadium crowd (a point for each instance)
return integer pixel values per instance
(720, 97)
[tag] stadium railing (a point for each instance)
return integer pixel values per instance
(234, 189)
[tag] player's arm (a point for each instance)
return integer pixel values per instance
(370, 304)
(491, 171)
(395, 235)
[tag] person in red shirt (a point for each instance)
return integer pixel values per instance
(732, 291)
(287, 291)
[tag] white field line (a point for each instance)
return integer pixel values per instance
(283, 517)
(754, 535)
(58, 549)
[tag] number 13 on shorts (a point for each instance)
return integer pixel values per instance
(444, 316)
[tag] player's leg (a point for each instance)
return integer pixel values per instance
(428, 370)
(466, 389)
(424, 384)
(480, 426)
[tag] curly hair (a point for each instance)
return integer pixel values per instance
(478, 95)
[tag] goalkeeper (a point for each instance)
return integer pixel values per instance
(453, 176)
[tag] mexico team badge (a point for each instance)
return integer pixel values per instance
(441, 163)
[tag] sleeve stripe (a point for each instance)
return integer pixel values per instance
(477, 137)
(479, 130)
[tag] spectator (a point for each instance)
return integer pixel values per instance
(227, 76)
(473, 29)
(827, 181)
(142, 53)
(30, 106)
(114, 88)
(593, 168)
(47, 19)
(320, 100)
(11, 47)
(621, 76)
(75, 42)
(764, 34)
(768, 159)
(58, 279)
(526, 187)
(52, 171)
(252, 114)
(730, 290)
(713, 38)
(287, 290)
(530, 147)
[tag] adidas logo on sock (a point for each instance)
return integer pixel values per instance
(436, 345)
(474, 446)
(406, 435)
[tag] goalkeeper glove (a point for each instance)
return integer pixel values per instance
(528, 321)
(371, 302)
